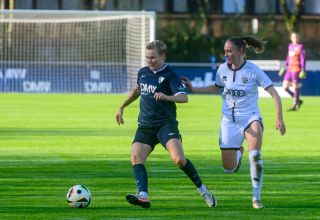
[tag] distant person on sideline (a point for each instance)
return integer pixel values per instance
(160, 88)
(295, 65)
(241, 118)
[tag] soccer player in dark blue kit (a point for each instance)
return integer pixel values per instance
(160, 88)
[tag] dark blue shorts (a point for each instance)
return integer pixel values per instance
(155, 135)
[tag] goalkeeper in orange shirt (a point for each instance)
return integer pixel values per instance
(295, 65)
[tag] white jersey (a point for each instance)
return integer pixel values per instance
(240, 89)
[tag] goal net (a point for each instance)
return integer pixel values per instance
(72, 51)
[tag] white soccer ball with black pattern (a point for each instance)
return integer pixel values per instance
(79, 196)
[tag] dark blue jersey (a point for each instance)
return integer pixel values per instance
(152, 112)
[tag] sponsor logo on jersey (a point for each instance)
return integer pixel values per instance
(146, 88)
(235, 92)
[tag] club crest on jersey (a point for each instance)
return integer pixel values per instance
(224, 78)
(160, 79)
(182, 87)
(244, 79)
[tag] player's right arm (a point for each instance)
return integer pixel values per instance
(205, 89)
(132, 95)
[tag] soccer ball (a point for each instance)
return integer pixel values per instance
(79, 196)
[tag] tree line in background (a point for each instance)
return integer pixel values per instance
(194, 42)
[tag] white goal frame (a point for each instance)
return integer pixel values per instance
(147, 31)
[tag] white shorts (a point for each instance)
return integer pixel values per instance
(232, 130)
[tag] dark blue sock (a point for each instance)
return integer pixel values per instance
(192, 173)
(141, 177)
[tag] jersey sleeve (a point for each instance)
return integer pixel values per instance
(218, 81)
(262, 79)
(176, 85)
(138, 78)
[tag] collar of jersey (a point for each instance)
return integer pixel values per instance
(229, 66)
(164, 66)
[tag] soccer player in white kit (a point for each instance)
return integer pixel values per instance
(241, 119)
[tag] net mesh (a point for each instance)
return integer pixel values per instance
(63, 52)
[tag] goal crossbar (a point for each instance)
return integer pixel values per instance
(69, 50)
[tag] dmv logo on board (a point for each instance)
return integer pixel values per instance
(13, 73)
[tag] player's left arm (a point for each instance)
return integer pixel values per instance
(302, 74)
(303, 58)
(277, 101)
(263, 80)
(179, 91)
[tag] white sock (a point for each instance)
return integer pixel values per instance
(239, 156)
(143, 194)
(256, 172)
(202, 189)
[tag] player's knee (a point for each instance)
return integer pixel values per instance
(229, 168)
(179, 161)
(229, 171)
(136, 159)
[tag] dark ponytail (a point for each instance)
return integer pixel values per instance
(256, 44)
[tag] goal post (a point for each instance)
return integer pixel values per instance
(50, 51)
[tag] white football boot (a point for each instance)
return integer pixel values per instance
(209, 198)
(256, 204)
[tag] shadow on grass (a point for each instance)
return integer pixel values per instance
(38, 191)
(9, 132)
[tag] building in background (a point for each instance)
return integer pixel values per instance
(225, 18)
(171, 10)
(311, 7)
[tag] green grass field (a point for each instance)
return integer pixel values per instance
(51, 142)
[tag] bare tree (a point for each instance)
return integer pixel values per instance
(292, 18)
(5, 4)
(100, 4)
(200, 10)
